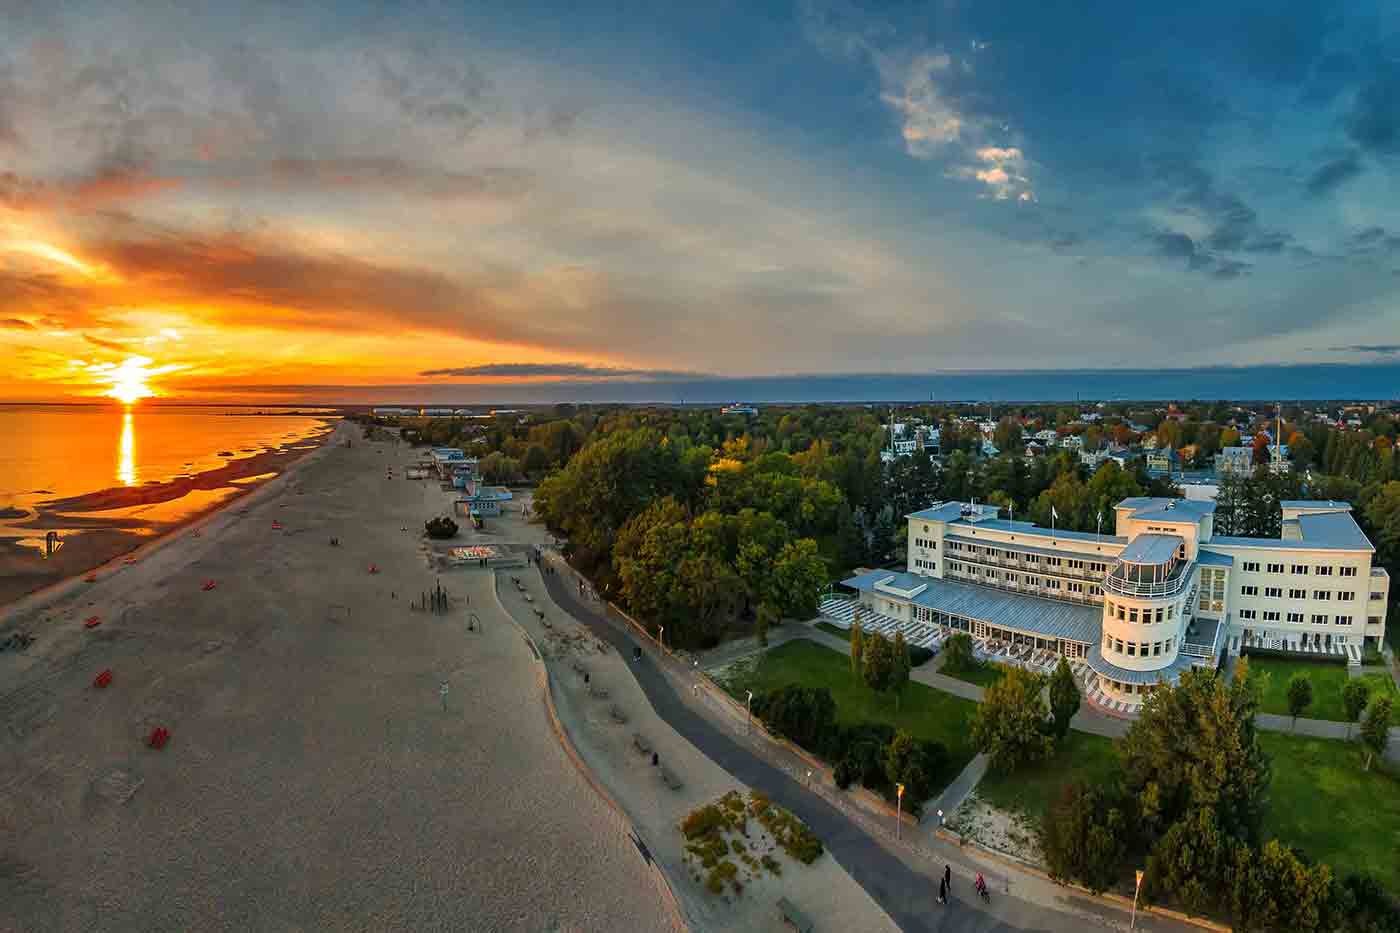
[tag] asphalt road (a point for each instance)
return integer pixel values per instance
(908, 895)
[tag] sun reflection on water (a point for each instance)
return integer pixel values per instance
(126, 466)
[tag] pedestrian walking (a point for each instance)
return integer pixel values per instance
(942, 891)
(948, 876)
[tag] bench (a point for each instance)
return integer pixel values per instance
(640, 741)
(673, 782)
(618, 716)
(794, 917)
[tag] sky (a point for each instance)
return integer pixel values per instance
(238, 200)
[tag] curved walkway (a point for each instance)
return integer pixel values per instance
(902, 880)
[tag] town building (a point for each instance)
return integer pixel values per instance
(1152, 595)
(1162, 460)
(1235, 460)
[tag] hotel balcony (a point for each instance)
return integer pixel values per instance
(1149, 568)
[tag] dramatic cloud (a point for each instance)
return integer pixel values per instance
(559, 370)
(1332, 174)
(15, 323)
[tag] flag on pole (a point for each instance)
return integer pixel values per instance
(1053, 513)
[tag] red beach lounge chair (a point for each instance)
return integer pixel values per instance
(158, 737)
(373, 568)
(209, 585)
(92, 622)
(103, 679)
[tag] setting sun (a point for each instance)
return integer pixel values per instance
(129, 380)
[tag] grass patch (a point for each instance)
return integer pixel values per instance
(708, 845)
(1079, 756)
(983, 675)
(1328, 679)
(833, 630)
(925, 713)
(1324, 803)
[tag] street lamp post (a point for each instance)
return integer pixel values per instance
(661, 637)
(748, 712)
(899, 808)
(1136, 889)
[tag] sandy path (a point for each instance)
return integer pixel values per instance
(313, 780)
(823, 890)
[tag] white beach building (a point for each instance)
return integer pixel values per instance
(1155, 594)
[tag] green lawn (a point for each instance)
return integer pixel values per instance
(983, 675)
(833, 630)
(1327, 682)
(925, 712)
(1078, 757)
(1322, 802)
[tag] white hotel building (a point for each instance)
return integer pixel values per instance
(1159, 595)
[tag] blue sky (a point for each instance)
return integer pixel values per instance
(727, 188)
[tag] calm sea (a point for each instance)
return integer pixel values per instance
(57, 451)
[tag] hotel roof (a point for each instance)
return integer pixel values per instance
(1314, 504)
(1048, 618)
(1124, 675)
(1150, 549)
(1161, 508)
(1031, 528)
(1333, 531)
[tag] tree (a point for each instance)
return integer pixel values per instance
(1009, 725)
(901, 665)
(913, 764)
(1194, 746)
(1300, 696)
(957, 654)
(799, 573)
(1375, 728)
(1064, 697)
(762, 620)
(1084, 836)
(857, 646)
(442, 527)
(1355, 696)
(806, 715)
(1007, 436)
(878, 663)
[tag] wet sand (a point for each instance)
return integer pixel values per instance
(313, 779)
(105, 538)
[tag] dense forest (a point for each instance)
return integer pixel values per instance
(711, 524)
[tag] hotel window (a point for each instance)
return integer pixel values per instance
(1324, 571)
(1033, 581)
(1132, 649)
(1132, 614)
(1319, 619)
(993, 574)
(1011, 578)
(1098, 568)
(1052, 584)
(1156, 648)
(1322, 594)
(1171, 612)
(1095, 589)
(1159, 614)
(1170, 642)
(1346, 571)
(1297, 594)
(1075, 587)
(1273, 592)
(1270, 615)
(1301, 569)
(1118, 645)
(1346, 596)
(1107, 642)
(1276, 568)
(1032, 558)
(1251, 566)
(1122, 614)
(1247, 614)
(1295, 617)
(1053, 561)
(1376, 597)
(1109, 603)
(1343, 620)
(1249, 591)
(1076, 565)
(1373, 620)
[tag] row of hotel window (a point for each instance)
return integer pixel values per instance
(1117, 644)
(1130, 613)
(1050, 583)
(1276, 592)
(1322, 570)
(1271, 615)
(978, 550)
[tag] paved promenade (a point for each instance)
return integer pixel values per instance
(902, 876)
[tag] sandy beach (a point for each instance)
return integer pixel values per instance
(115, 522)
(313, 779)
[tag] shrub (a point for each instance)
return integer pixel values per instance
(1084, 837)
(442, 527)
(919, 655)
(806, 715)
(957, 654)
